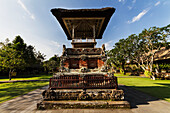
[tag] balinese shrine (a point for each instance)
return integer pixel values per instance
(83, 75)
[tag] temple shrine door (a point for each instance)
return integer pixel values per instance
(74, 64)
(92, 63)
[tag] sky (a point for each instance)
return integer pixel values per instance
(33, 21)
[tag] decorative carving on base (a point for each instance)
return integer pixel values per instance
(83, 70)
(83, 95)
(104, 69)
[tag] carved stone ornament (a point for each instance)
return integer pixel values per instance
(83, 57)
(103, 50)
(64, 50)
(104, 69)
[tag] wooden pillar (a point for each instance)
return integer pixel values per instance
(94, 33)
(73, 32)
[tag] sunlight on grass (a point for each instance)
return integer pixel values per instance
(36, 77)
(119, 74)
(156, 88)
(12, 90)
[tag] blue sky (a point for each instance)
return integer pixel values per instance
(33, 21)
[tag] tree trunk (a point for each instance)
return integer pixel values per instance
(123, 68)
(10, 74)
(138, 72)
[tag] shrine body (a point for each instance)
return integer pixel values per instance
(83, 27)
(83, 71)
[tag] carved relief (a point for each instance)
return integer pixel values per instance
(64, 50)
(103, 50)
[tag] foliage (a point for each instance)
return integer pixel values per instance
(17, 56)
(140, 49)
(118, 55)
(27, 77)
(148, 73)
(164, 66)
(52, 64)
(121, 71)
(10, 59)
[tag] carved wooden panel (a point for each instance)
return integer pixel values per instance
(92, 63)
(74, 63)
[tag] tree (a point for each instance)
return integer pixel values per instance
(10, 59)
(29, 56)
(118, 55)
(135, 50)
(141, 48)
(144, 46)
(18, 44)
(17, 56)
(52, 63)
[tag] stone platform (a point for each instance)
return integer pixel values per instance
(79, 99)
(80, 94)
(82, 104)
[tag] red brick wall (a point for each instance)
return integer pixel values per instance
(100, 63)
(66, 63)
(78, 63)
(83, 63)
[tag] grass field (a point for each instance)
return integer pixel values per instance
(119, 74)
(30, 77)
(156, 88)
(12, 90)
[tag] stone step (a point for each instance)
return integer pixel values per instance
(83, 104)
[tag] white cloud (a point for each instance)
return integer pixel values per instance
(133, 1)
(129, 7)
(139, 16)
(109, 45)
(157, 3)
(55, 44)
(25, 9)
(121, 0)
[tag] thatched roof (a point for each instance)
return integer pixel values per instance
(162, 54)
(83, 19)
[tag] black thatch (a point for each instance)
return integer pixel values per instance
(81, 13)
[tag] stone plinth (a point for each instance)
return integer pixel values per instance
(83, 104)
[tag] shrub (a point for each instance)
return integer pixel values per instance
(148, 73)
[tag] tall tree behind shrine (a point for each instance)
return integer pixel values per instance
(17, 57)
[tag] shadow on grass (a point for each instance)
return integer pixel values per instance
(143, 95)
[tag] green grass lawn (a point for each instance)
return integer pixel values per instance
(156, 88)
(119, 74)
(26, 77)
(12, 90)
